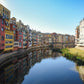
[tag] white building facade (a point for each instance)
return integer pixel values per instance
(81, 35)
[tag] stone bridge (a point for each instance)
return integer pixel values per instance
(61, 45)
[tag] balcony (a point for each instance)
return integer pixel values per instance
(16, 44)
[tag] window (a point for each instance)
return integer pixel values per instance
(6, 42)
(9, 36)
(3, 9)
(7, 24)
(2, 21)
(14, 38)
(3, 15)
(2, 38)
(2, 29)
(7, 12)
(10, 46)
(20, 33)
(13, 26)
(10, 42)
(14, 32)
(15, 43)
(2, 45)
(20, 44)
(20, 38)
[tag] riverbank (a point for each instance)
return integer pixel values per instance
(73, 52)
(18, 54)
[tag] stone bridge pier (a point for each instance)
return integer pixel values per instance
(62, 45)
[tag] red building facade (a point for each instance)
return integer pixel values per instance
(13, 26)
(19, 37)
(2, 33)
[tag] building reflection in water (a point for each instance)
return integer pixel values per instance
(14, 72)
(80, 69)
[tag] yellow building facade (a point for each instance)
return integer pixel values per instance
(5, 13)
(9, 40)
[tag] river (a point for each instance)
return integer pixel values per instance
(42, 67)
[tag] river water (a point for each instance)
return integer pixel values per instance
(42, 67)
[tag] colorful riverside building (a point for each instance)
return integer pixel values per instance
(24, 37)
(13, 27)
(34, 38)
(9, 40)
(2, 33)
(19, 33)
(54, 37)
(39, 38)
(50, 39)
(46, 38)
(29, 36)
(19, 38)
(9, 36)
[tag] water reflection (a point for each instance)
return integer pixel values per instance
(63, 69)
(79, 66)
(80, 69)
(14, 72)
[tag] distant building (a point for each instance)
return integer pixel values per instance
(71, 38)
(34, 38)
(59, 38)
(24, 37)
(46, 41)
(50, 39)
(39, 38)
(67, 39)
(42, 39)
(54, 37)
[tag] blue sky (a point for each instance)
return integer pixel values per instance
(60, 16)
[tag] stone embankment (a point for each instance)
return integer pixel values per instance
(5, 58)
